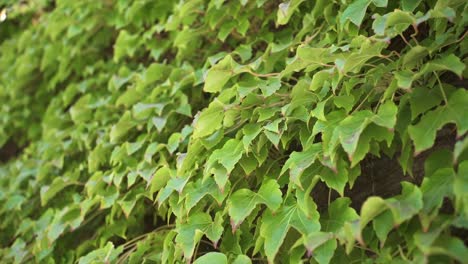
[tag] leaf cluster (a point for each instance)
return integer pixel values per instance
(200, 130)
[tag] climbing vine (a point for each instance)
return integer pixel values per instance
(241, 131)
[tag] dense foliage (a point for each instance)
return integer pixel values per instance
(233, 131)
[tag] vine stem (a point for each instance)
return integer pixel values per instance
(273, 74)
(136, 239)
(441, 89)
(362, 102)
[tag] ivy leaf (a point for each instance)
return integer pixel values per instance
(212, 257)
(285, 11)
(380, 3)
(350, 130)
(423, 133)
(414, 55)
(460, 189)
(107, 254)
(436, 187)
(229, 155)
(218, 75)
(336, 178)
(194, 192)
(423, 99)
(209, 120)
(121, 128)
(159, 122)
(447, 63)
(460, 147)
(404, 79)
(355, 12)
(243, 201)
(399, 20)
(300, 161)
(251, 131)
(386, 116)
(48, 192)
(338, 213)
(125, 45)
(275, 227)
(410, 5)
(370, 209)
(324, 253)
(270, 87)
(242, 259)
(160, 179)
(188, 234)
(406, 205)
(315, 240)
(382, 225)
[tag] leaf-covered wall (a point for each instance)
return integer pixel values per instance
(240, 131)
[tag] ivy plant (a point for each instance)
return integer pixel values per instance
(243, 131)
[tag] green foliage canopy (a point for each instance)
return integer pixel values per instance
(197, 130)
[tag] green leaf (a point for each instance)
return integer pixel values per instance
(399, 20)
(125, 45)
(106, 254)
(122, 127)
(350, 130)
(447, 63)
(435, 187)
(49, 192)
(406, 205)
(414, 56)
(460, 147)
(404, 79)
(194, 192)
(275, 227)
(324, 253)
(285, 11)
(160, 179)
(460, 189)
(410, 5)
(338, 213)
(370, 209)
(271, 86)
(229, 155)
(189, 233)
(159, 123)
(344, 101)
(386, 116)
(423, 99)
(319, 79)
(212, 257)
(298, 162)
(218, 75)
(251, 131)
(209, 120)
(243, 201)
(315, 240)
(383, 224)
(242, 259)
(336, 178)
(355, 12)
(423, 133)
